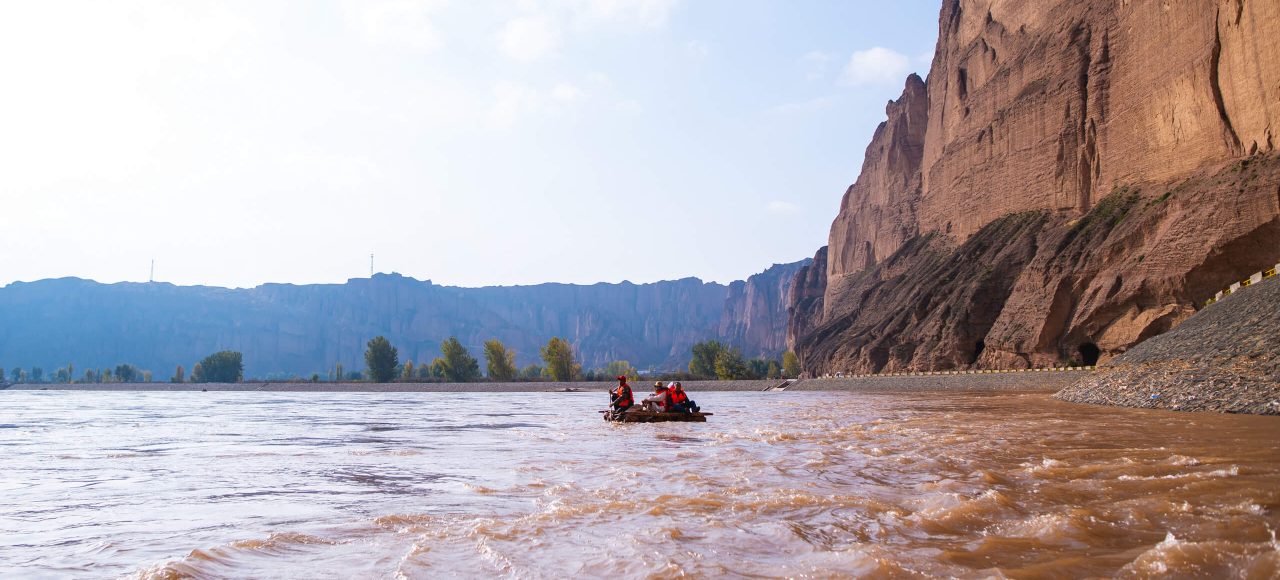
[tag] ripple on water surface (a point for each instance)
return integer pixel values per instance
(311, 485)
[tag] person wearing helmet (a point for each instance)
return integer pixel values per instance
(659, 401)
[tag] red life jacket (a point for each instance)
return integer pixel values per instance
(624, 399)
(677, 396)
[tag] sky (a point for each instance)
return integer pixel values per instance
(470, 142)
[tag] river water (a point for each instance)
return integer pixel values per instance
(418, 485)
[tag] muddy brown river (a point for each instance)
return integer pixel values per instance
(423, 485)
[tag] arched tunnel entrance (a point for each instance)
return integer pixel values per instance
(977, 351)
(1088, 354)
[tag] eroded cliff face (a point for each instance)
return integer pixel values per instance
(1063, 108)
(287, 329)
(878, 212)
(806, 298)
(755, 311)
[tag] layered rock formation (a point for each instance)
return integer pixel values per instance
(1225, 358)
(755, 311)
(286, 329)
(1074, 177)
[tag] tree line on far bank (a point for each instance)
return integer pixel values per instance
(456, 364)
(220, 367)
(124, 373)
(710, 360)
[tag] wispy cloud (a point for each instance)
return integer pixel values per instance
(544, 25)
(782, 207)
(530, 38)
(814, 64)
(567, 93)
(406, 23)
(628, 107)
(807, 106)
(513, 102)
(648, 13)
(697, 49)
(877, 66)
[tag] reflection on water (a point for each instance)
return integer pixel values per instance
(161, 485)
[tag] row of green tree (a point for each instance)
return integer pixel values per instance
(124, 373)
(710, 360)
(713, 360)
(456, 364)
(220, 367)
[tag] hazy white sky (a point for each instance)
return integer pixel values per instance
(470, 142)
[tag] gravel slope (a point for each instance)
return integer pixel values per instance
(1226, 358)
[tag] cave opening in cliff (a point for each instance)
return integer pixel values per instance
(1088, 353)
(977, 351)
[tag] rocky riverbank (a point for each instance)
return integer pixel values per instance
(1226, 358)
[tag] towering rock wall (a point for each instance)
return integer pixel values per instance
(1053, 104)
(1082, 112)
(755, 310)
(805, 301)
(287, 329)
(878, 212)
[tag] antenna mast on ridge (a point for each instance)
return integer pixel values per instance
(152, 278)
(370, 265)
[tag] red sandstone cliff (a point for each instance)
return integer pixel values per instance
(1073, 174)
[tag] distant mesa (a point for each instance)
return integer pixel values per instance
(301, 329)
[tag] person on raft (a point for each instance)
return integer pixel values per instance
(680, 402)
(620, 399)
(660, 400)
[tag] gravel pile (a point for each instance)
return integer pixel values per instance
(1226, 358)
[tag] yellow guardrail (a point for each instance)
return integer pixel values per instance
(965, 372)
(1268, 273)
